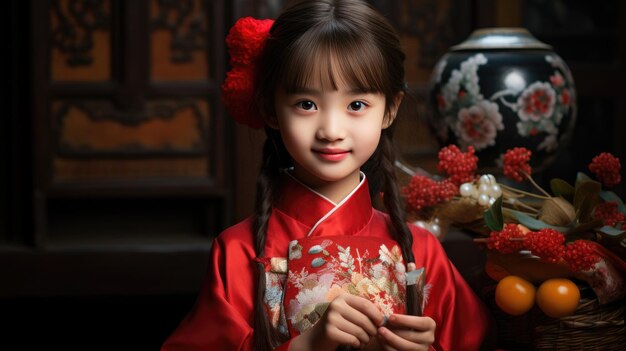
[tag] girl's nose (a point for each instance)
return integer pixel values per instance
(330, 127)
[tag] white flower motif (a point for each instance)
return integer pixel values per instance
(478, 125)
(307, 297)
(466, 77)
(390, 257)
(536, 102)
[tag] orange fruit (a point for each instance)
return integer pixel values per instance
(515, 295)
(558, 297)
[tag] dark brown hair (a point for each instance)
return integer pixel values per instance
(327, 40)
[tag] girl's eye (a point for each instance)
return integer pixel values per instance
(356, 106)
(306, 105)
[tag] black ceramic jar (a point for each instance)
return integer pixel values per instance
(503, 88)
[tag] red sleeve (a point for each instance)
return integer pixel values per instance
(213, 323)
(221, 319)
(462, 320)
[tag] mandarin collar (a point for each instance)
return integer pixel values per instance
(322, 216)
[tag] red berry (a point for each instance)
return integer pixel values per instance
(580, 256)
(546, 243)
(608, 213)
(459, 166)
(515, 163)
(422, 192)
(606, 167)
(507, 241)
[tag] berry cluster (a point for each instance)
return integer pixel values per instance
(580, 256)
(608, 213)
(459, 166)
(508, 240)
(606, 167)
(515, 163)
(424, 192)
(546, 243)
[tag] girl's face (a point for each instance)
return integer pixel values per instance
(330, 134)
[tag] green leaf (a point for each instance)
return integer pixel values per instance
(581, 178)
(493, 216)
(583, 227)
(532, 223)
(562, 188)
(609, 196)
(587, 196)
(611, 231)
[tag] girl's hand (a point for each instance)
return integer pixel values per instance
(407, 333)
(349, 320)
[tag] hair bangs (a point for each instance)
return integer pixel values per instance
(332, 60)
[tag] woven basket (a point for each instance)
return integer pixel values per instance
(591, 327)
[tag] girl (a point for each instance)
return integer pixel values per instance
(316, 267)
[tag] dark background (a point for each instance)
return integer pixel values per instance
(109, 252)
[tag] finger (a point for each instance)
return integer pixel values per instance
(342, 322)
(342, 338)
(425, 337)
(398, 342)
(360, 319)
(366, 307)
(412, 322)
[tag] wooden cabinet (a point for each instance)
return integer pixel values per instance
(130, 172)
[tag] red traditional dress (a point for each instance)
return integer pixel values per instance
(309, 238)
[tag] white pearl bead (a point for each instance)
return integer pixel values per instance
(436, 220)
(484, 179)
(495, 190)
(483, 199)
(491, 200)
(483, 189)
(466, 189)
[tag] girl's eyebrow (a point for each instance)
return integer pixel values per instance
(312, 91)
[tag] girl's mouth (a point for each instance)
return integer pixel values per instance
(333, 155)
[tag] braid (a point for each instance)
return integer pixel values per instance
(266, 337)
(391, 198)
(393, 204)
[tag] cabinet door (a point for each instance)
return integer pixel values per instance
(119, 169)
(126, 107)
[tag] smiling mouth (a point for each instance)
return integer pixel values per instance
(333, 155)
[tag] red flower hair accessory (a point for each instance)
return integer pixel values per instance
(245, 42)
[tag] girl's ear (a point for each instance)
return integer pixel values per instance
(393, 110)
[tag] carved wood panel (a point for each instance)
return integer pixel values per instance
(80, 40)
(126, 103)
